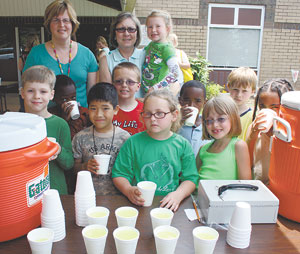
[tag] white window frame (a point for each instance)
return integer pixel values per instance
(236, 8)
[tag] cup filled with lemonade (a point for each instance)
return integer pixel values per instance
(126, 216)
(97, 215)
(126, 239)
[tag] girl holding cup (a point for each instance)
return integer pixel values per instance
(259, 132)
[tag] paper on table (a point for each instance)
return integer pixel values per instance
(191, 214)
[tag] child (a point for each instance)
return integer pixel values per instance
(37, 90)
(268, 96)
(157, 154)
(226, 157)
(65, 91)
(160, 68)
(192, 94)
(241, 85)
(126, 79)
(101, 137)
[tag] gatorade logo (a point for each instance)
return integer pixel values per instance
(36, 187)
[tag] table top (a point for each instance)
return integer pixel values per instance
(282, 237)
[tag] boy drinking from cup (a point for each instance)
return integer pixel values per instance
(100, 138)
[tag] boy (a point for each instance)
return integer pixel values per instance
(65, 91)
(192, 94)
(37, 90)
(101, 137)
(242, 85)
(127, 81)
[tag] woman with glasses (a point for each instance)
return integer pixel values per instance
(63, 55)
(125, 36)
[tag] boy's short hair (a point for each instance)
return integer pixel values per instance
(103, 92)
(222, 104)
(193, 83)
(63, 81)
(244, 77)
(129, 66)
(40, 74)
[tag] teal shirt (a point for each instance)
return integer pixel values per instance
(59, 129)
(219, 166)
(165, 162)
(83, 63)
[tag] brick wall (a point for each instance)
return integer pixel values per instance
(287, 11)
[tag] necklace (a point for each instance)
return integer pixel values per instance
(112, 140)
(57, 59)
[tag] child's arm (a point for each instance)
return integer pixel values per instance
(173, 199)
(198, 160)
(131, 192)
(242, 160)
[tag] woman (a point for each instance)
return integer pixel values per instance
(61, 54)
(125, 36)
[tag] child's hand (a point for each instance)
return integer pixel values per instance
(93, 166)
(54, 156)
(186, 112)
(134, 195)
(171, 201)
(66, 110)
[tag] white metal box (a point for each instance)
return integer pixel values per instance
(218, 209)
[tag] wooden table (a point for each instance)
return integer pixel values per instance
(283, 237)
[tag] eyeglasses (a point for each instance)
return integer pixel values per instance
(57, 21)
(124, 29)
(128, 82)
(220, 120)
(157, 115)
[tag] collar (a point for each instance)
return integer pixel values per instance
(119, 58)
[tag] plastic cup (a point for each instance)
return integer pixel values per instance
(205, 239)
(40, 240)
(192, 119)
(269, 116)
(84, 184)
(241, 217)
(126, 239)
(103, 160)
(51, 206)
(97, 215)
(94, 237)
(75, 111)
(166, 239)
(147, 189)
(126, 216)
(161, 216)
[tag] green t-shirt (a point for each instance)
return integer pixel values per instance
(155, 67)
(165, 162)
(59, 129)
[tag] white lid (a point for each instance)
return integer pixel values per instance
(19, 130)
(291, 100)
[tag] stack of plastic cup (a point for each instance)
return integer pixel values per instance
(53, 215)
(239, 230)
(85, 197)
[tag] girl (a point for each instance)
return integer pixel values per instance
(268, 96)
(160, 68)
(157, 154)
(226, 157)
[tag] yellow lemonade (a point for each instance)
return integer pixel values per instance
(128, 234)
(95, 232)
(162, 215)
(127, 213)
(166, 235)
(98, 214)
(205, 236)
(42, 239)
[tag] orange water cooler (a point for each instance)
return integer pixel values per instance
(284, 172)
(24, 172)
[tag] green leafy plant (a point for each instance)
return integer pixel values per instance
(199, 66)
(213, 89)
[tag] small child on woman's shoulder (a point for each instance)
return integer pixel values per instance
(157, 154)
(160, 69)
(226, 157)
(192, 94)
(268, 97)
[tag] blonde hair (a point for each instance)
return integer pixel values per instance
(102, 40)
(40, 74)
(173, 39)
(222, 104)
(163, 14)
(165, 94)
(56, 8)
(244, 77)
(32, 40)
(128, 66)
